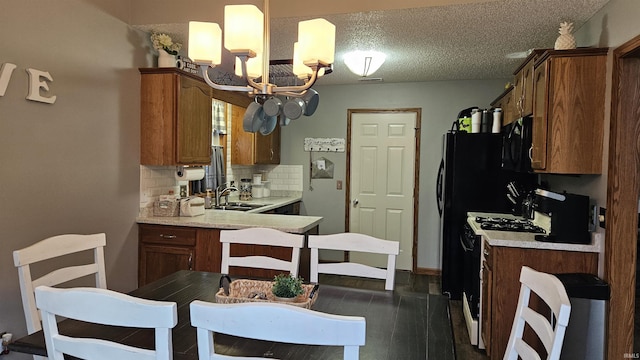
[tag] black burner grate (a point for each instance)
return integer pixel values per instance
(514, 225)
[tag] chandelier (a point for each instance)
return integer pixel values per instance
(246, 36)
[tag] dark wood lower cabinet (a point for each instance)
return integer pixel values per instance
(165, 249)
(291, 209)
(501, 285)
(158, 261)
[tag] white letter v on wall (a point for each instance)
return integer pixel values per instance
(5, 75)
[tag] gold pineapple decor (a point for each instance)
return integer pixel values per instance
(566, 40)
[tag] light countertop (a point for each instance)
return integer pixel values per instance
(228, 219)
(525, 240)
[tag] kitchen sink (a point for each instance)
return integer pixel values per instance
(238, 206)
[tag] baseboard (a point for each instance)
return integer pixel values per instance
(428, 271)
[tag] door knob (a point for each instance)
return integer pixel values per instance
(355, 202)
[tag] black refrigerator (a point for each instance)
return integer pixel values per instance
(470, 178)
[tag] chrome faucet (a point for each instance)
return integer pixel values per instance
(224, 191)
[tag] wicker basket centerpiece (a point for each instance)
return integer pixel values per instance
(244, 290)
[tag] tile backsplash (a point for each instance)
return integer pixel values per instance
(285, 180)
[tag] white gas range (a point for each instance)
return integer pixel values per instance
(499, 229)
(478, 225)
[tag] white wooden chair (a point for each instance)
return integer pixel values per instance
(261, 236)
(275, 322)
(354, 242)
(102, 306)
(54, 247)
(553, 293)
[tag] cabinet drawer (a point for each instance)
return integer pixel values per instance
(170, 235)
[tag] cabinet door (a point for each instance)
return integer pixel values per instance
(505, 273)
(163, 250)
(575, 125)
(194, 122)
(241, 141)
(157, 261)
(518, 94)
(508, 109)
(267, 148)
(249, 148)
(527, 89)
(541, 104)
(175, 118)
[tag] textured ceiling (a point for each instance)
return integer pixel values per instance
(445, 42)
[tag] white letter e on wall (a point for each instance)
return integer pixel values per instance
(35, 84)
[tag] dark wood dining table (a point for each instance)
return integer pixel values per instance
(397, 323)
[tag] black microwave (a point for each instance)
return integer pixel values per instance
(516, 145)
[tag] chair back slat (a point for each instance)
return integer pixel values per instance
(102, 306)
(550, 290)
(276, 322)
(261, 236)
(354, 242)
(51, 248)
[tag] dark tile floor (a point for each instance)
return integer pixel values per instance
(429, 284)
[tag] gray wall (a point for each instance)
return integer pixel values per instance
(72, 166)
(440, 103)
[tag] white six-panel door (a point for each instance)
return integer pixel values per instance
(382, 181)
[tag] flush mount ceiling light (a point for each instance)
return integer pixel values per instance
(246, 36)
(364, 63)
(519, 54)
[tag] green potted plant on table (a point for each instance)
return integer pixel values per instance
(287, 287)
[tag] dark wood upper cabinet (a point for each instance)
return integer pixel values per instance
(175, 118)
(569, 111)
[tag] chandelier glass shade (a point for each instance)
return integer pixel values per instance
(364, 63)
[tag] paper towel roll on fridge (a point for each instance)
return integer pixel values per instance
(189, 174)
(476, 120)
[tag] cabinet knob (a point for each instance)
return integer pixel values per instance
(486, 252)
(168, 236)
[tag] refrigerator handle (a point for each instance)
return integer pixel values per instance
(440, 187)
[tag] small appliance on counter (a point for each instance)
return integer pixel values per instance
(192, 206)
(567, 215)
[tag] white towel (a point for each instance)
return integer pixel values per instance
(219, 118)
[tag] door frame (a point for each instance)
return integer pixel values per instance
(623, 189)
(416, 173)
